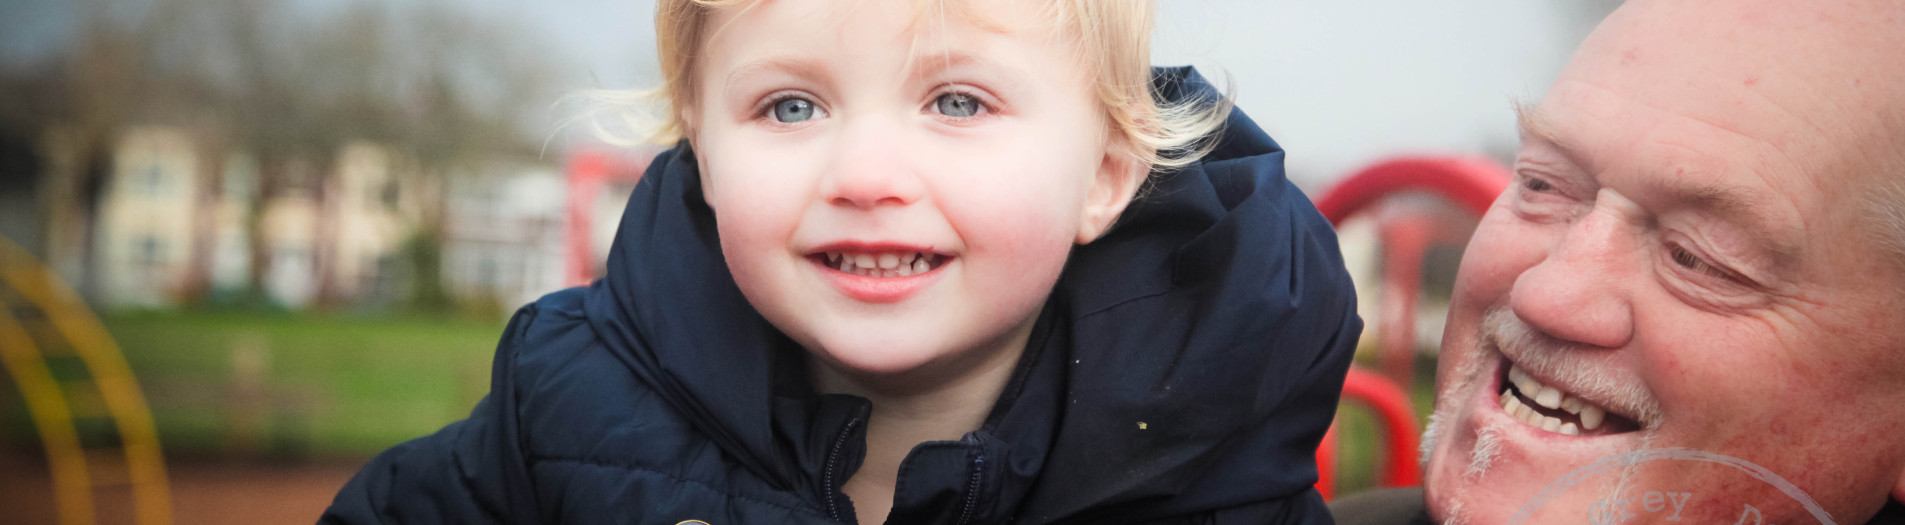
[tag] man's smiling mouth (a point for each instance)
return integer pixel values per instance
(1552, 409)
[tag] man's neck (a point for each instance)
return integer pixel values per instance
(957, 403)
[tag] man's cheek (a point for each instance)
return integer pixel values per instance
(1500, 253)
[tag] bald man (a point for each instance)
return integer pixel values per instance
(1689, 306)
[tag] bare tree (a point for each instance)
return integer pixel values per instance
(446, 88)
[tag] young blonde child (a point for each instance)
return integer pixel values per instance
(940, 261)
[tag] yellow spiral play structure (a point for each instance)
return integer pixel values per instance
(69, 371)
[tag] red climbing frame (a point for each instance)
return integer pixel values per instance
(589, 171)
(1472, 183)
(1397, 418)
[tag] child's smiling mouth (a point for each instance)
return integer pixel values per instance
(878, 272)
(881, 264)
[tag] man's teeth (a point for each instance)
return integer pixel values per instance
(887, 264)
(1546, 396)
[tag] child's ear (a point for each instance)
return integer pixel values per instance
(1119, 176)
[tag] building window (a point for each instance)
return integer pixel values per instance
(150, 181)
(240, 180)
(388, 195)
(149, 254)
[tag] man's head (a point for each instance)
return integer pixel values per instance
(1703, 240)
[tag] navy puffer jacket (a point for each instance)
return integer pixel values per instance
(1182, 371)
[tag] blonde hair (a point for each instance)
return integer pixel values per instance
(1112, 36)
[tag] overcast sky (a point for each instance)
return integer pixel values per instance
(1340, 83)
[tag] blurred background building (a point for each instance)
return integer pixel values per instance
(303, 221)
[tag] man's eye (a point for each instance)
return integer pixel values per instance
(1686, 259)
(1536, 185)
(794, 110)
(958, 105)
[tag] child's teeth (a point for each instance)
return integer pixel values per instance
(1571, 404)
(1570, 429)
(891, 264)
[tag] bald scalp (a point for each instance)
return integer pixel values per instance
(1832, 67)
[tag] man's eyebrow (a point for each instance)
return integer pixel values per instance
(1533, 122)
(1734, 205)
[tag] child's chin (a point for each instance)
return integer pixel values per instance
(878, 360)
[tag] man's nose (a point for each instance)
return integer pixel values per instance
(1579, 292)
(871, 167)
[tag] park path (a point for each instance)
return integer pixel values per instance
(203, 492)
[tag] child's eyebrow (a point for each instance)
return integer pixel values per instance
(805, 68)
(932, 65)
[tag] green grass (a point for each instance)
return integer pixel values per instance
(331, 384)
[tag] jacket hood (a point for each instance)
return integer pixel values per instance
(1189, 360)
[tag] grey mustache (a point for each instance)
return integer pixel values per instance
(1620, 391)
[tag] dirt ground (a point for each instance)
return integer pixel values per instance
(203, 492)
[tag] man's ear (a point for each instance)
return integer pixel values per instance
(1119, 176)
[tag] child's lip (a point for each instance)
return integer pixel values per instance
(860, 246)
(879, 290)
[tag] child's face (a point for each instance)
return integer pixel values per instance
(963, 163)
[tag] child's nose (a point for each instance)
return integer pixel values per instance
(870, 169)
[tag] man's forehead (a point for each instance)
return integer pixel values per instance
(1817, 78)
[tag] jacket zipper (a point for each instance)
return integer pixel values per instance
(833, 458)
(972, 489)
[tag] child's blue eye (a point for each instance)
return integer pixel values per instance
(957, 105)
(792, 110)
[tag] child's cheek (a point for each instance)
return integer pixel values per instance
(752, 186)
(1017, 228)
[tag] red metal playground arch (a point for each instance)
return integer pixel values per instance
(1472, 184)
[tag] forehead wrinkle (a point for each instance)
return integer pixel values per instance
(1656, 109)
